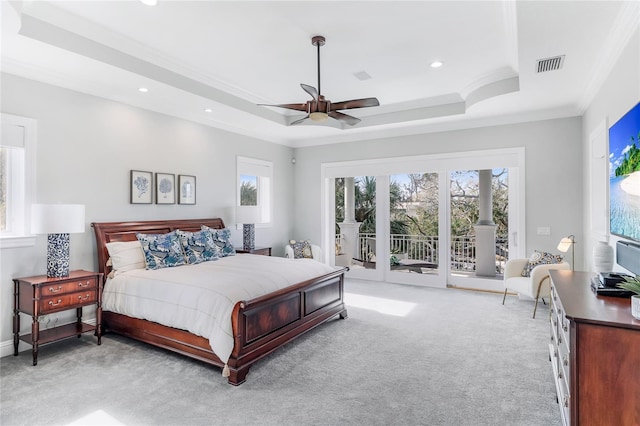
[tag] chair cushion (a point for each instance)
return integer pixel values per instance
(520, 285)
(540, 258)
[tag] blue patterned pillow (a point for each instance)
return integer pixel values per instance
(222, 239)
(540, 258)
(198, 246)
(161, 250)
(301, 249)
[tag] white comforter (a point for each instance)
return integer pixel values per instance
(200, 298)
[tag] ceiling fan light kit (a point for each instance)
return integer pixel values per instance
(319, 117)
(320, 109)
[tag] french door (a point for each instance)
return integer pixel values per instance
(401, 230)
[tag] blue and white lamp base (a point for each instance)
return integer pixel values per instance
(57, 255)
(248, 236)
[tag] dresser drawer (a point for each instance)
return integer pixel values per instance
(69, 287)
(66, 301)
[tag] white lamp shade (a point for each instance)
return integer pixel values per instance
(248, 215)
(566, 243)
(57, 218)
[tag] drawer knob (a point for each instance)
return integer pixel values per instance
(565, 360)
(55, 290)
(85, 297)
(566, 401)
(83, 285)
(55, 304)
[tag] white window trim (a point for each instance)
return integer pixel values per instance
(24, 237)
(255, 167)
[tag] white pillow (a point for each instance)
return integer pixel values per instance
(126, 255)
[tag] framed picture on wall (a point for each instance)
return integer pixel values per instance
(186, 189)
(165, 188)
(141, 187)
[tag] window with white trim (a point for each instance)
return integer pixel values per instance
(17, 153)
(255, 186)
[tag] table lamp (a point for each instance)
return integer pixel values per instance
(58, 221)
(248, 216)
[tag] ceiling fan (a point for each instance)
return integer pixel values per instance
(319, 109)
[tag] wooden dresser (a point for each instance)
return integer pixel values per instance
(595, 353)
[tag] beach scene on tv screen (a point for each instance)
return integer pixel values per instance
(624, 175)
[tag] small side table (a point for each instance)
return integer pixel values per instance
(39, 295)
(264, 251)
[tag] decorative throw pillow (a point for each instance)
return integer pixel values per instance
(162, 250)
(198, 246)
(222, 239)
(126, 255)
(301, 249)
(540, 258)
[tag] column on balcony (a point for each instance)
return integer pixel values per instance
(485, 229)
(349, 228)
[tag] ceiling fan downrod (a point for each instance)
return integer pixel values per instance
(318, 41)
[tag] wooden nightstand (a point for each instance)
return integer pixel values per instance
(39, 295)
(264, 251)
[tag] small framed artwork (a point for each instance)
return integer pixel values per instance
(186, 189)
(141, 187)
(165, 188)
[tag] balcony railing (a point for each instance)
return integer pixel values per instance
(425, 248)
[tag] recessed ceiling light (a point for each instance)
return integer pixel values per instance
(143, 89)
(149, 2)
(208, 110)
(437, 64)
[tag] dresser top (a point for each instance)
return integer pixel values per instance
(581, 304)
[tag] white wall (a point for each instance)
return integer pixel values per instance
(553, 154)
(85, 150)
(619, 93)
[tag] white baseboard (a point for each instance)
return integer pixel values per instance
(6, 347)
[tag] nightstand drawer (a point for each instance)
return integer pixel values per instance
(67, 301)
(69, 287)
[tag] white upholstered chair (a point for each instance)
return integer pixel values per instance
(536, 286)
(315, 252)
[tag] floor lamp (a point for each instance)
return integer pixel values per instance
(57, 221)
(568, 243)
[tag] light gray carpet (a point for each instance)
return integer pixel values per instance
(457, 358)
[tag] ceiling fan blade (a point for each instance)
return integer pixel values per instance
(350, 120)
(298, 121)
(310, 90)
(355, 103)
(297, 107)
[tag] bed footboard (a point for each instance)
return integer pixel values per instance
(264, 324)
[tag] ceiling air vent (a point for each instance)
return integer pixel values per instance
(550, 64)
(362, 75)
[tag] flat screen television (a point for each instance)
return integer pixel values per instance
(624, 175)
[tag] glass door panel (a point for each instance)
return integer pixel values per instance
(355, 227)
(414, 224)
(475, 255)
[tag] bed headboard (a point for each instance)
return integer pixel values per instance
(126, 231)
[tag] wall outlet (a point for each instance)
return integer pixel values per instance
(544, 230)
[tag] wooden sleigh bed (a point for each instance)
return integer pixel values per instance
(260, 326)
